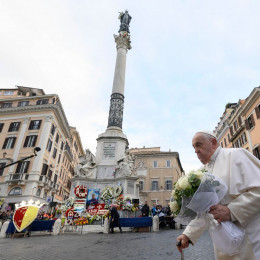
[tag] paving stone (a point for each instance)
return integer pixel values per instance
(125, 246)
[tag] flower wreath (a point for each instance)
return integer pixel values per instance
(81, 191)
(118, 191)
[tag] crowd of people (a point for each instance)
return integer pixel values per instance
(6, 215)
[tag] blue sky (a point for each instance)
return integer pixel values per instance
(188, 59)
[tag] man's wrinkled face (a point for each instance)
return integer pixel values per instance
(204, 147)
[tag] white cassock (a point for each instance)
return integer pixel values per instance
(240, 170)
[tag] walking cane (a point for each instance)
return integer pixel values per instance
(178, 243)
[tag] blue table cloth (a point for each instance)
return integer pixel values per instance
(136, 222)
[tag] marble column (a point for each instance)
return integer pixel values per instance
(115, 118)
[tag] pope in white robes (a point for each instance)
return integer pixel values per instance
(240, 170)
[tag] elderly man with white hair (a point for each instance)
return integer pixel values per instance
(240, 170)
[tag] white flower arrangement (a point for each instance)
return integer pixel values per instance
(185, 187)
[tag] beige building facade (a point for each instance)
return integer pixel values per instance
(157, 172)
(28, 119)
(240, 124)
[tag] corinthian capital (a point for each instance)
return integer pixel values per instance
(123, 41)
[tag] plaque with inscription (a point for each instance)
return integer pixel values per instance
(109, 150)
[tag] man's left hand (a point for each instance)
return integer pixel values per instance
(221, 213)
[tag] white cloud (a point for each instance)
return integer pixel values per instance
(189, 59)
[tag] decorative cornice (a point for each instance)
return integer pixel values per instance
(123, 41)
(56, 108)
(250, 100)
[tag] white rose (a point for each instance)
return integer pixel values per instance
(199, 174)
(174, 206)
(173, 195)
(183, 183)
(191, 172)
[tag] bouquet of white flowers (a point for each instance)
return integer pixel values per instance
(192, 197)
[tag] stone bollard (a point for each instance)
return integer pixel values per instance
(106, 226)
(156, 223)
(56, 227)
(4, 228)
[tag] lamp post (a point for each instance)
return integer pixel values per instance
(36, 149)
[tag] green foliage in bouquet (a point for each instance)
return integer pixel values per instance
(185, 187)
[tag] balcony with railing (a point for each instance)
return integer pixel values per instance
(45, 182)
(20, 178)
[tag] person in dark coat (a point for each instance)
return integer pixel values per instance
(114, 220)
(145, 210)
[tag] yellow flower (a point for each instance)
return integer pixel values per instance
(174, 206)
(183, 183)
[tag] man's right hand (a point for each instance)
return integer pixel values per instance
(184, 242)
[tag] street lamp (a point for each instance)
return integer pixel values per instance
(35, 150)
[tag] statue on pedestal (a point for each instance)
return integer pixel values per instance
(86, 165)
(125, 19)
(126, 166)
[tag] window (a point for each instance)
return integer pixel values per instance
(257, 111)
(35, 124)
(168, 163)
(14, 126)
(42, 101)
(221, 144)
(16, 191)
(23, 103)
(50, 174)
(38, 193)
(61, 146)
(53, 129)
(154, 164)
(8, 93)
(244, 140)
(1, 127)
(22, 167)
(225, 141)
(59, 158)
(9, 143)
(49, 145)
(30, 141)
(154, 185)
(250, 122)
(45, 195)
(228, 137)
(256, 152)
(6, 105)
(44, 169)
(76, 147)
(57, 138)
(55, 178)
(239, 142)
(54, 153)
(168, 184)
(2, 170)
(141, 185)
(235, 126)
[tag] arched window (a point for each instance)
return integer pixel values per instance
(16, 191)
(45, 195)
(38, 193)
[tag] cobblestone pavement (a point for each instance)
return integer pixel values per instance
(127, 245)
